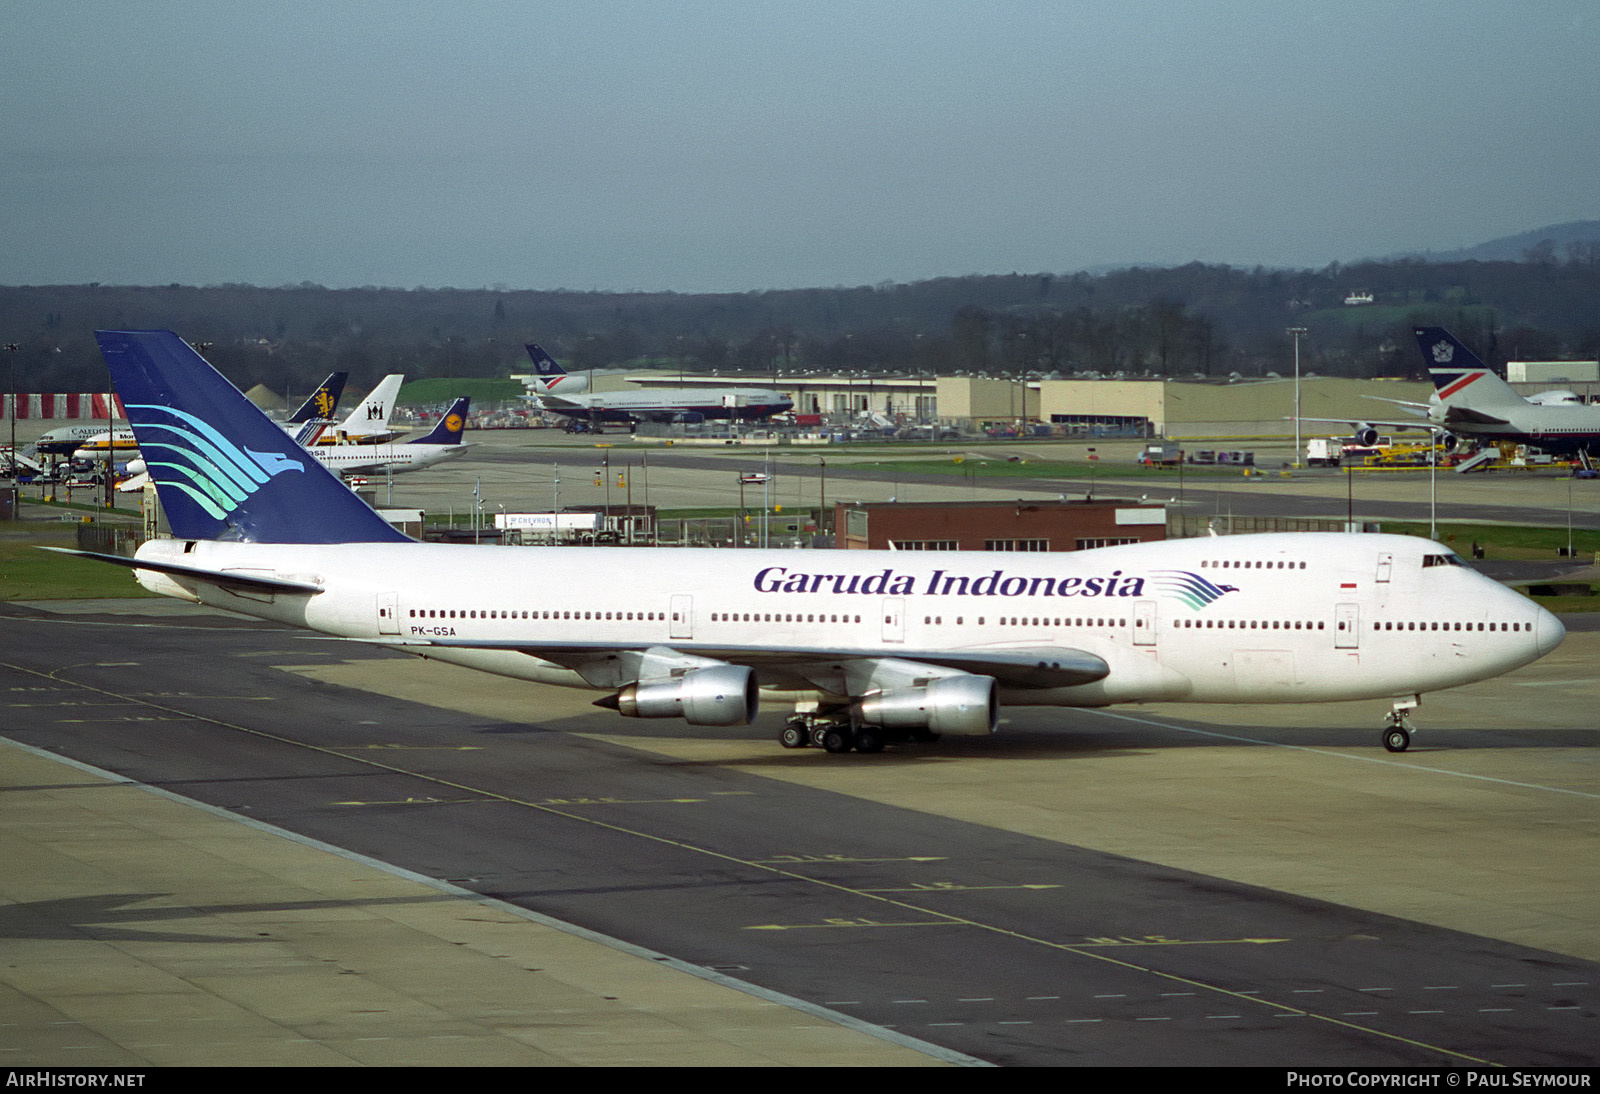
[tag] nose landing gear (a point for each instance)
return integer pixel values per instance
(1397, 725)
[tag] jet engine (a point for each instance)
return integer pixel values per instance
(1366, 435)
(721, 695)
(966, 706)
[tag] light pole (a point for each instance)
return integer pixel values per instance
(1297, 332)
(822, 505)
(11, 348)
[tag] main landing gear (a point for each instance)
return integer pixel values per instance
(838, 736)
(1397, 724)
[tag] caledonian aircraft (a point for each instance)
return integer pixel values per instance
(865, 647)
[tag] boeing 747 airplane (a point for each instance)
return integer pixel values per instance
(1471, 401)
(864, 646)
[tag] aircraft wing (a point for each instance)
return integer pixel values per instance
(662, 413)
(1027, 667)
(1410, 407)
(1377, 423)
(557, 402)
(227, 579)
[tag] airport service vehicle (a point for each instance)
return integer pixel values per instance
(1324, 452)
(1161, 454)
(864, 646)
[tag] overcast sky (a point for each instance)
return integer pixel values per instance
(699, 146)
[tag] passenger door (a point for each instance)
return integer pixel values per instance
(682, 622)
(1346, 626)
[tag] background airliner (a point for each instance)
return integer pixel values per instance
(1471, 401)
(865, 646)
(440, 443)
(552, 378)
(368, 423)
(745, 404)
(1474, 402)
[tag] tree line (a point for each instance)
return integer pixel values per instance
(1201, 319)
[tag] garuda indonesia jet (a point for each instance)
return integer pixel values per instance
(865, 647)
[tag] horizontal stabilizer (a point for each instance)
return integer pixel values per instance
(221, 578)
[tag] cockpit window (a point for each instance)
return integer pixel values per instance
(1447, 559)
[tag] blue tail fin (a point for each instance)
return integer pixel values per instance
(323, 401)
(223, 469)
(1440, 349)
(543, 363)
(1458, 376)
(448, 431)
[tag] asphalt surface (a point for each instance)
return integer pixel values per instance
(986, 941)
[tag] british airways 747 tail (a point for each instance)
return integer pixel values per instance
(864, 647)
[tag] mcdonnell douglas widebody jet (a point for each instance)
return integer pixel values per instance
(562, 393)
(866, 646)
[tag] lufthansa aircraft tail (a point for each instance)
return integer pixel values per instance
(223, 469)
(1460, 379)
(448, 431)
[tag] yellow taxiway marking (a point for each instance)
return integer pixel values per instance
(416, 748)
(957, 887)
(1163, 940)
(492, 798)
(416, 801)
(833, 924)
(826, 859)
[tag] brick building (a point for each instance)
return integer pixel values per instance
(997, 526)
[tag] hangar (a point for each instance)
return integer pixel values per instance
(1146, 406)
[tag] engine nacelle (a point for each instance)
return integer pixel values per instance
(721, 695)
(966, 706)
(1365, 435)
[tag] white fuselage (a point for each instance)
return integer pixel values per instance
(1270, 618)
(372, 459)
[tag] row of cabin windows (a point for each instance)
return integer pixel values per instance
(781, 617)
(1004, 621)
(456, 613)
(1258, 564)
(1253, 624)
(1451, 626)
(1025, 621)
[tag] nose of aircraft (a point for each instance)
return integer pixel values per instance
(1548, 632)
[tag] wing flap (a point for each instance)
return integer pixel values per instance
(1025, 667)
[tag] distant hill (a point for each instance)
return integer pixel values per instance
(1515, 248)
